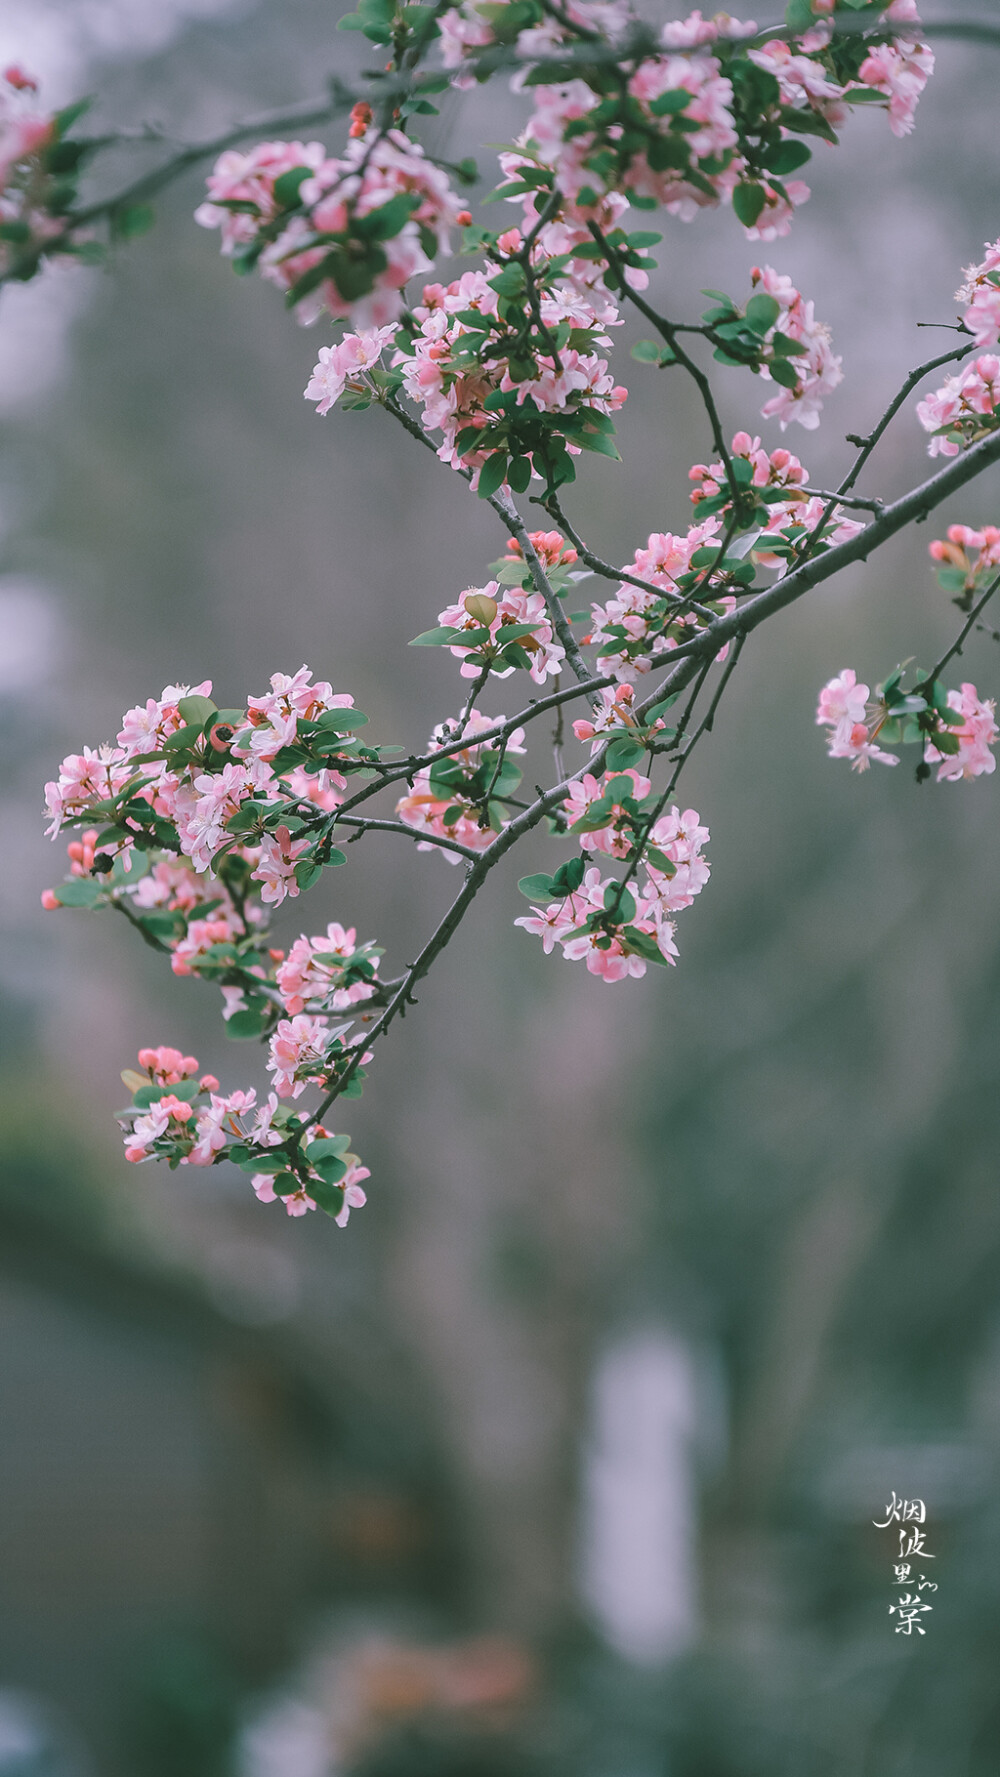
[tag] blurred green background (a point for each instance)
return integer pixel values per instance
(563, 1457)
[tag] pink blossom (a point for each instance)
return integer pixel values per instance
(963, 409)
(901, 70)
(315, 968)
(340, 364)
(818, 370)
(977, 735)
(843, 699)
(276, 867)
(298, 1052)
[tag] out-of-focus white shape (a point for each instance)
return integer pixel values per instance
(30, 634)
(35, 323)
(58, 39)
(638, 1571)
(33, 1741)
(286, 1739)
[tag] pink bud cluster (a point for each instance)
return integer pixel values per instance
(965, 558)
(346, 237)
(196, 1125)
(779, 481)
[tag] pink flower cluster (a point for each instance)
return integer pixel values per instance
(779, 480)
(690, 152)
(440, 800)
(965, 558)
(523, 615)
(977, 735)
(961, 749)
(347, 236)
(199, 802)
(963, 409)
(452, 383)
(25, 133)
(618, 929)
(186, 1121)
(635, 627)
(843, 708)
(817, 369)
(323, 971)
(981, 293)
(344, 364)
(900, 69)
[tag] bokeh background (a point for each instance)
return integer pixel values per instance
(563, 1457)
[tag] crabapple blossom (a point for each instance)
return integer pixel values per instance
(812, 373)
(963, 408)
(332, 969)
(486, 613)
(843, 709)
(980, 291)
(976, 736)
(339, 364)
(339, 235)
(199, 823)
(460, 796)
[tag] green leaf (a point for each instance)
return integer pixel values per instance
(69, 115)
(520, 474)
(385, 223)
(619, 902)
(308, 872)
(623, 753)
(646, 351)
(80, 891)
(286, 186)
(492, 474)
(537, 888)
(786, 157)
(244, 1025)
(328, 1198)
(784, 373)
(328, 1145)
(133, 220)
(437, 638)
(196, 710)
(569, 876)
(762, 312)
(643, 945)
(748, 201)
(669, 103)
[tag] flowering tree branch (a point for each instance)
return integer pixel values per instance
(200, 822)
